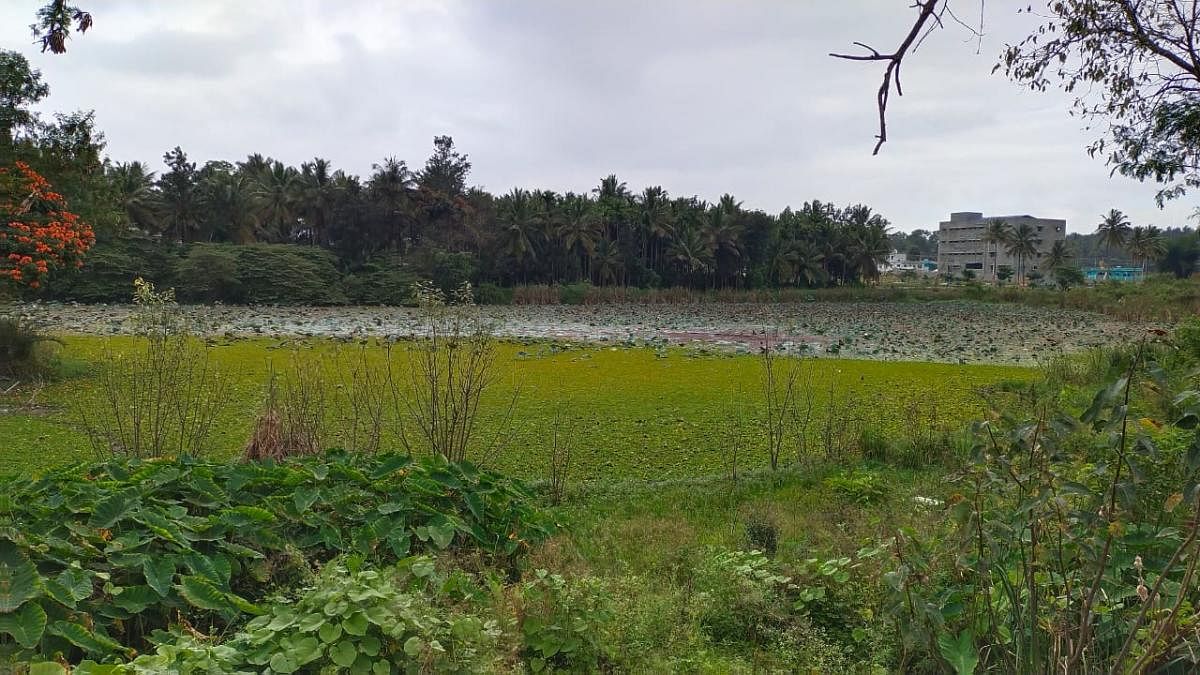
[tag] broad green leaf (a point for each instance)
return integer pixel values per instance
(161, 526)
(110, 510)
(343, 653)
(306, 650)
(47, 668)
(413, 646)
(356, 624)
(304, 498)
(960, 653)
(70, 586)
(282, 662)
(159, 573)
(330, 632)
(370, 646)
(18, 578)
(135, 599)
(85, 639)
(202, 593)
(25, 625)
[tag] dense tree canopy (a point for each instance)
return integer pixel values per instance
(433, 218)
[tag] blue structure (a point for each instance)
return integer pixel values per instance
(1094, 274)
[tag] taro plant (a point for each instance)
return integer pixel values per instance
(363, 620)
(94, 559)
(1072, 545)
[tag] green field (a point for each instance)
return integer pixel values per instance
(632, 413)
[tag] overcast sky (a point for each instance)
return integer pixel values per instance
(701, 97)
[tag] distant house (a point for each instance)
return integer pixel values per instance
(1094, 274)
(896, 263)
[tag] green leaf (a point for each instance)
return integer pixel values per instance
(85, 639)
(442, 534)
(26, 625)
(960, 653)
(370, 646)
(304, 498)
(330, 632)
(356, 624)
(343, 653)
(18, 578)
(110, 510)
(413, 646)
(159, 573)
(135, 599)
(47, 668)
(161, 526)
(202, 593)
(282, 662)
(69, 587)
(306, 650)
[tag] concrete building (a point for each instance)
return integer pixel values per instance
(961, 244)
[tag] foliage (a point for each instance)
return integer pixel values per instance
(1130, 63)
(364, 620)
(1073, 540)
(112, 264)
(562, 623)
(860, 487)
(94, 558)
(38, 235)
(259, 274)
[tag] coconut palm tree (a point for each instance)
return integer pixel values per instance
(1146, 243)
(722, 233)
(275, 192)
(134, 185)
(316, 196)
(995, 234)
(516, 214)
(578, 228)
(606, 262)
(1022, 243)
(1113, 230)
(1059, 255)
(654, 221)
(799, 263)
(869, 246)
(391, 187)
(690, 252)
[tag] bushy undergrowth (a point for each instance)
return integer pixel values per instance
(23, 351)
(92, 559)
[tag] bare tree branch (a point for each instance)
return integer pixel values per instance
(928, 10)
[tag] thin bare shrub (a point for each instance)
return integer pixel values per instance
(160, 398)
(787, 401)
(451, 367)
(561, 448)
(364, 387)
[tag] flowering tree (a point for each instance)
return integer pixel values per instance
(38, 235)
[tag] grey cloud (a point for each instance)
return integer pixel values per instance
(700, 96)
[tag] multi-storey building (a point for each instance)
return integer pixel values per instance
(962, 244)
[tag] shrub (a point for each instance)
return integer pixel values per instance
(366, 621)
(210, 274)
(762, 533)
(574, 294)
(20, 352)
(380, 281)
(491, 294)
(112, 265)
(861, 487)
(562, 623)
(268, 274)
